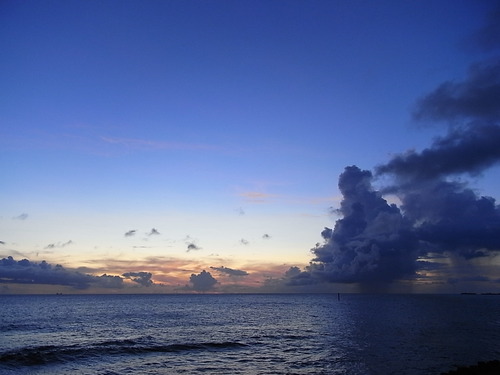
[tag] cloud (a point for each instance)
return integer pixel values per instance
(469, 149)
(477, 97)
(22, 216)
(266, 236)
(230, 271)
(142, 278)
(240, 211)
(372, 242)
(203, 281)
(153, 232)
(170, 275)
(375, 241)
(472, 144)
(130, 233)
(447, 216)
(26, 272)
(2, 242)
(170, 270)
(59, 245)
(109, 281)
(192, 246)
(292, 271)
(295, 277)
(244, 242)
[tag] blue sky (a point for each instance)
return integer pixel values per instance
(221, 124)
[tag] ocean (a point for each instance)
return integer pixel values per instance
(247, 334)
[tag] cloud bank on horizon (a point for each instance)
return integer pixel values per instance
(27, 272)
(202, 282)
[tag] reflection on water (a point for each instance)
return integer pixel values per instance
(246, 334)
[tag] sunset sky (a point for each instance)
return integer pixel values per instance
(152, 140)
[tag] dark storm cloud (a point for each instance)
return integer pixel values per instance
(372, 242)
(142, 278)
(230, 271)
(375, 241)
(378, 242)
(449, 217)
(477, 97)
(202, 282)
(469, 149)
(26, 272)
(472, 144)
(130, 233)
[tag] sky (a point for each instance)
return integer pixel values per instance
(249, 146)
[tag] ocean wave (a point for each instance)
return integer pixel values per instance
(49, 354)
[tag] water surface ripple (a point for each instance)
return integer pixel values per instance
(247, 334)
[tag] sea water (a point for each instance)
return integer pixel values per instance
(247, 334)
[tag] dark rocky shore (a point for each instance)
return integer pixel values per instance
(482, 368)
